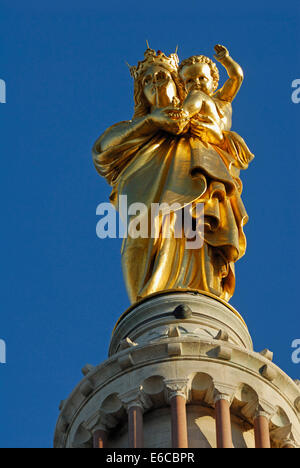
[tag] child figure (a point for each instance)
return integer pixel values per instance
(210, 111)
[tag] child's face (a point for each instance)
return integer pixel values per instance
(197, 76)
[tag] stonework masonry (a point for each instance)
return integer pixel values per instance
(182, 373)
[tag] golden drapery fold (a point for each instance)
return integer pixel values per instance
(163, 168)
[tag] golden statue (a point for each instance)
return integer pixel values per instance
(179, 149)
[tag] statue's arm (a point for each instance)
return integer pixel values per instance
(193, 103)
(119, 133)
(235, 73)
(158, 119)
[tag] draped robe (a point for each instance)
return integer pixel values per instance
(164, 168)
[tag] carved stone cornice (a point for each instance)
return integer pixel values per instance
(297, 404)
(283, 436)
(100, 421)
(223, 392)
(256, 408)
(135, 397)
(176, 387)
(265, 409)
(152, 360)
(250, 409)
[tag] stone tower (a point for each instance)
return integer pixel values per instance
(182, 373)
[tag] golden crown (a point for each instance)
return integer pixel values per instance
(155, 58)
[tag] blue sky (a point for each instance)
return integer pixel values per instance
(61, 287)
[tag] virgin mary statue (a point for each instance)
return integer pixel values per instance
(151, 159)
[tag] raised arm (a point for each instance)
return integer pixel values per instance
(235, 73)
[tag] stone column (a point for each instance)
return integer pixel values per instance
(262, 430)
(223, 421)
(135, 403)
(99, 425)
(135, 426)
(177, 397)
(100, 438)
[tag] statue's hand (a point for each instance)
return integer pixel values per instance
(197, 129)
(176, 113)
(172, 120)
(221, 52)
(206, 130)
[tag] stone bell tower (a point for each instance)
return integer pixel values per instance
(182, 373)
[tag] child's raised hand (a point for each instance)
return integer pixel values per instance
(221, 52)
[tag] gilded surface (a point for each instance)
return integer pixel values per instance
(179, 148)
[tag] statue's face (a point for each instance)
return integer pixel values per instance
(198, 76)
(158, 86)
